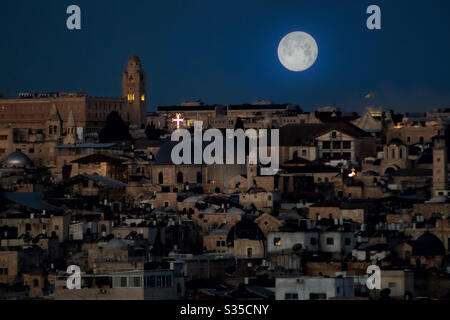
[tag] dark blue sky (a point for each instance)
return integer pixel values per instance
(226, 51)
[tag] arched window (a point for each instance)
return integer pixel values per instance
(199, 177)
(160, 178)
(50, 130)
(180, 177)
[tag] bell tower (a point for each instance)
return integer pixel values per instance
(440, 171)
(134, 91)
(71, 130)
(53, 124)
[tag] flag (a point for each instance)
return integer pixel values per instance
(370, 95)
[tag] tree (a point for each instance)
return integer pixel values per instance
(115, 129)
(152, 132)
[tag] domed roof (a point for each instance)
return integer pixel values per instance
(428, 245)
(17, 160)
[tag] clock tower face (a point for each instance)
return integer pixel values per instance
(135, 93)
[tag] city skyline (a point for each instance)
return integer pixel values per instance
(233, 60)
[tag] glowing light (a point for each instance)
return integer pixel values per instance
(178, 120)
(143, 97)
(352, 174)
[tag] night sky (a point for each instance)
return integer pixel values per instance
(225, 52)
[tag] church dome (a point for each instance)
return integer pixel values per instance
(17, 160)
(428, 245)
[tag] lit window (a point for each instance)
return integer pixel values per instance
(143, 97)
(277, 242)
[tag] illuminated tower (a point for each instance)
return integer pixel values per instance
(134, 91)
(71, 130)
(440, 167)
(53, 124)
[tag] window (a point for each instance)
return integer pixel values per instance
(223, 243)
(123, 282)
(421, 140)
(168, 281)
(31, 150)
(3, 137)
(180, 177)
(199, 177)
(137, 282)
(348, 241)
(291, 296)
(158, 281)
(330, 241)
(160, 178)
(152, 282)
(347, 145)
(408, 139)
(326, 155)
(391, 285)
(326, 144)
(330, 216)
(313, 241)
(303, 153)
(249, 252)
(334, 135)
(217, 243)
(35, 283)
(401, 154)
(277, 242)
(166, 204)
(347, 155)
(336, 145)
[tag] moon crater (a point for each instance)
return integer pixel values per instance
(298, 51)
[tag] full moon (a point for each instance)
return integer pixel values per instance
(298, 51)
